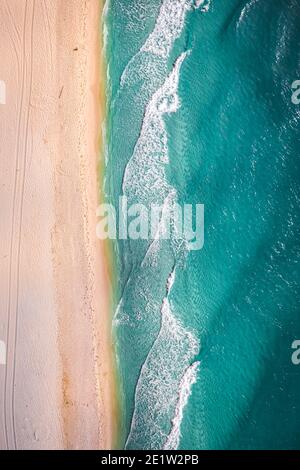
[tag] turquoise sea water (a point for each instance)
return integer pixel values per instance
(200, 111)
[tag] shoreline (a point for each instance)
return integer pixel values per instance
(106, 247)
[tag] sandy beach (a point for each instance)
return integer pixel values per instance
(57, 389)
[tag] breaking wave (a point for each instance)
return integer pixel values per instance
(185, 390)
(159, 382)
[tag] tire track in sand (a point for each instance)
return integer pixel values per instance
(16, 227)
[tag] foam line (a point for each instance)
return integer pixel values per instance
(185, 390)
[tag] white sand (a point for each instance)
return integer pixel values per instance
(57, 388)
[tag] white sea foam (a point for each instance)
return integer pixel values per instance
(198, 3)
(160, 380)
(108, 80)
(204, 4)
(168, 27)
(185, 390)
(144, 178)
(170, 281)
(104, 21)
(245, 11)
